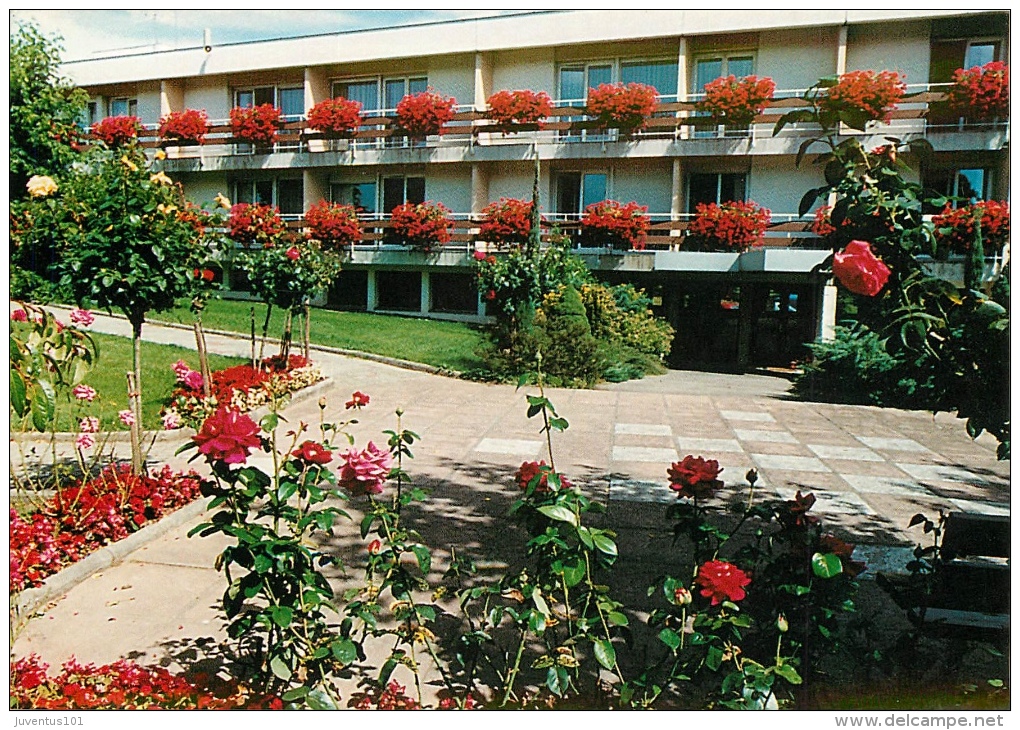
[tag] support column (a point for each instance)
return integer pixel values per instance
(841, 51)
(479, 188)
(426, 293)
(371, 295)
(171, 98)
(316, 90)
(676, 201)
(826, 325)
(316, 186)
(681, 82)
(745, 326)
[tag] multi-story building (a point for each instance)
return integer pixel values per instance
(756, 308)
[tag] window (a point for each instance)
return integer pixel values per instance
(123, 107)
(361, 195)
(289, 100)
(715, 187)
(400, 190)
(366, 92)
(660, 74)
(379, 97)
(287, 194)
(575, 191)
(89, 116)
(970, 185)
(248, 98)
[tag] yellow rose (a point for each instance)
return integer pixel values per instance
(40, 186)
(160, 178)
(222, 200)
(160, 155)
(126, 161)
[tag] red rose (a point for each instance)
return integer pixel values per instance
(694, 477)
(479, 255)
(228, 436)
(490, 295)
(722, 581)
(293, 254)
(857, 268)
(530, 470)
(358, 400)
(374, 547)
(313, 453)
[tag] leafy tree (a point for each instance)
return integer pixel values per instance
(45, 109)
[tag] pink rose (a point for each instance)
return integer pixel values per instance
(82, 317)
(84, 392)
(89, 424)
(857, 268)
(85, 441)
(171, 421)
(364, 472)
(19, 315)
(194, 380)
(293, 254)
(479, 255)
(180, 369)
(126, 417)
(228, 436)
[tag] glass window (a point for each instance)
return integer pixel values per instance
(292, 103)
(417, 85)
(395, 91)
(291, 196)
(593, 188)
(660, 74)
(366, 92)
(572, 86)
(247, 98)
(714, 187)
(415, 191)
(978, 54)
(576, 191)
(360, 195)
(598, 75)
(400, 190)
(123, 107)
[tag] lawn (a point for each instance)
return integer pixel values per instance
(109, 379)
(450, 345)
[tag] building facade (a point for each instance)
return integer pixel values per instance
(729, 310)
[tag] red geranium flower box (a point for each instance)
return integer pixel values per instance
(257, 125)
(337, 118)
(333, 224)
(624, 106)
(253, 223)
(615, 224)
(117, 131)
(732, 226)
(422, 225)
(955, 227)
(506, 223)
(511, 108)
(423, 114)
(187, 127)
(873, 95)
(736, 101)
(981, 92)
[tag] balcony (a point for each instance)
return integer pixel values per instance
(673, 130)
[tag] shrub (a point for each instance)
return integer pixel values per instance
(621, 315)
(117, 131)
(506, 223)
(869, 95)
(510, 108)
(422, 225)
(336, 118)
(333, 224)
(732, 226)
(736, 101)
(187, 127)
(955, 227)
(981, 92)
(423, 114)
(570, 354)
(256, 125)
(616, 225)
(622, 105)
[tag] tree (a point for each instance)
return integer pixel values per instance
(45, 109)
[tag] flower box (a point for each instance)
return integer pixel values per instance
(252, 223)
(256, 125)
(188, 127)
(736, 101)
(336, 118)
(955, 227)
(334, 225)
(613, 224)
(506, 223)
(511, 108)
(424, 114)
(624, 106)
(868, 95)
(732, 226)
(421, 226)
(981, 93)
(117, 131)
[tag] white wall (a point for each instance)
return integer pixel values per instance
(532, 69)
(776, 184)
(902, 47)
(149, 106)
(209, 94)
(648, 182)
(450, 186)
(453, 76)
(204, 188)
(513, 180)
(796, 59)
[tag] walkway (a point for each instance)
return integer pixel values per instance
(871, 469)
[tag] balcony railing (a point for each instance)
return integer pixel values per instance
(568, 123)
(664, 233)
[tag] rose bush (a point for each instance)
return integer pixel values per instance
(228, 436)
(857, 269)
(365, 471)
(732, 226)
(722, 581)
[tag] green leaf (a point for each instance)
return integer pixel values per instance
(713, 659)
(269, 422)
(604, 544)
(282, 615)
(280, 668)
(366, 524)
(424, 558)
(605, 654)
(788, 673)
(18, 393)
(809, 199)
(345, 651)
(559, 513)
(286, 490)
(558, 424)
(826, 565)
(297, 693)
(584, 534)
(42, 406)
(540, 603)
(617, 619)
(670, 638)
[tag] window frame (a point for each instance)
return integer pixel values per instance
(131, 103)
(275, 181)
(690, 204)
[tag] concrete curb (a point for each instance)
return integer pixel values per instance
(360, 354)
(59, 583)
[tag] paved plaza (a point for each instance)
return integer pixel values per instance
(871, 469)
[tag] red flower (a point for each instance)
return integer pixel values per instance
(252, 223)
(694, 477)
(338, 117)
(364, 472)
(421, 225)
(117, 131)
(981, 92)
(293, 254)
(722, 581)
(615, 224)
(374, 547)
(358, 400)
(228, 436)
(507, 222)
(510, 108)
(423, 114)
(736, 101)
(794, 513)
(623, 106)
(313, 453)
(257, 125)
(333, 224)
(187, 127)
(732, 226)
(19, 315)
(859, 270)
(844, 551)
(955, 228)
(865, 92)
(490, 295)
(536, 473)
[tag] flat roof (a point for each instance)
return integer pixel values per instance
(467, 35)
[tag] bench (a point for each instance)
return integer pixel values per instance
(965, 583)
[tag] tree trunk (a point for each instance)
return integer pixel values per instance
(254, 362)
(265, 333)
(135, 393)
(308, 332)
(287, 336)
(203, 359)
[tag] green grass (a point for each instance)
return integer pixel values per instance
(109, 379)
(450, 345)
